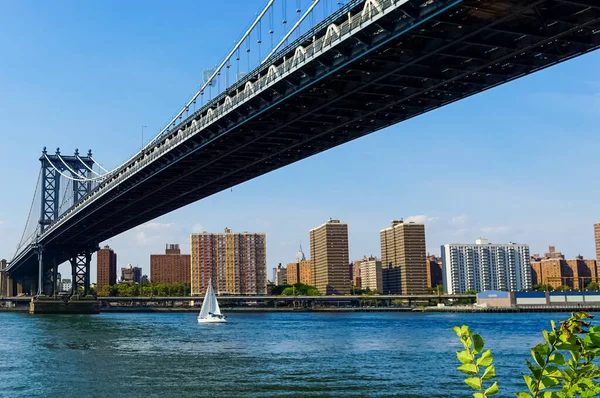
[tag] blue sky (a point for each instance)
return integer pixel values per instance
(517, 163)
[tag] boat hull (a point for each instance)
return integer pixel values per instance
(212, 320)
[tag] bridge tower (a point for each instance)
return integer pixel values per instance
(76, 170)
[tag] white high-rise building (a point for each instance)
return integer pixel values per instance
(484, 266)
(370, 274)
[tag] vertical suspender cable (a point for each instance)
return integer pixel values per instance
(248, 53)
(259, 40)
(237, 62)
(312, 6)
(298, 11)
(258, 18)
(284, 18)
(271, 31)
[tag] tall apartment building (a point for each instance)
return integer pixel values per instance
(356, 280)
(434, 271)
(299, 271)
(371, 275)
(171, 267)
(330, 273)
(106, 268)
(403, 247)
(281, 277)
(556, 271)
(390, 276)
(131, 274)
(484, 266)
(292, 271)
(305, 272)
(235, 262)
(597, 239)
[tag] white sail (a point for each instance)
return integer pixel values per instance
(215, 305)
(207, 303)
(210, 311)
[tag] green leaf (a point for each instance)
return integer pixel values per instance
(468, 368)
(552, 371)
(557, 359)
(595, 329)
(478, 343)
(549, 394)
(537, 356)
(464, 356)
(546, 336)
(485, 359)
(594, 338)
(489, 372)
(523, 395)
(474, 382)
(530, 384)
(493, 389)
(548, 382)
(478, 395)
(457, 330)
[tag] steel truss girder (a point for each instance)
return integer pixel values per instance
(80, 272)
(51, 190)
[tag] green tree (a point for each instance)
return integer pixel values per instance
(277, 290)
(541, 287)
(105, 291)
(300, 289)
(592, 286)
(471, 291)
(438, 289)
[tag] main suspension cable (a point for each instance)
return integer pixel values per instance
(37, 186)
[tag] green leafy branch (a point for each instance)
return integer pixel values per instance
(563, 366)
(474, 360)
(561, 377)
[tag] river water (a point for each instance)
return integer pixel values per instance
(255, 355)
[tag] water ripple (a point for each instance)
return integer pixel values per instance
(255, 355)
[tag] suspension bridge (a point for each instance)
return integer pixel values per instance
(304, 77)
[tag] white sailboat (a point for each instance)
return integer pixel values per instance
(210, 311)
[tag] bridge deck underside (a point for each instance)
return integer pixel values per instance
(381, 76)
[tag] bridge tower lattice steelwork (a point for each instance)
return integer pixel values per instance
(77, 169)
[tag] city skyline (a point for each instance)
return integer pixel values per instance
(487, 265)
(377, 253)
(449, 166)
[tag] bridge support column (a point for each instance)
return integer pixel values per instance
(78, 303)
(40, 284)
(50, 276)
(11, 287)
(80, 271)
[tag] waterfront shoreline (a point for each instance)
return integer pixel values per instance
(241, 310)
